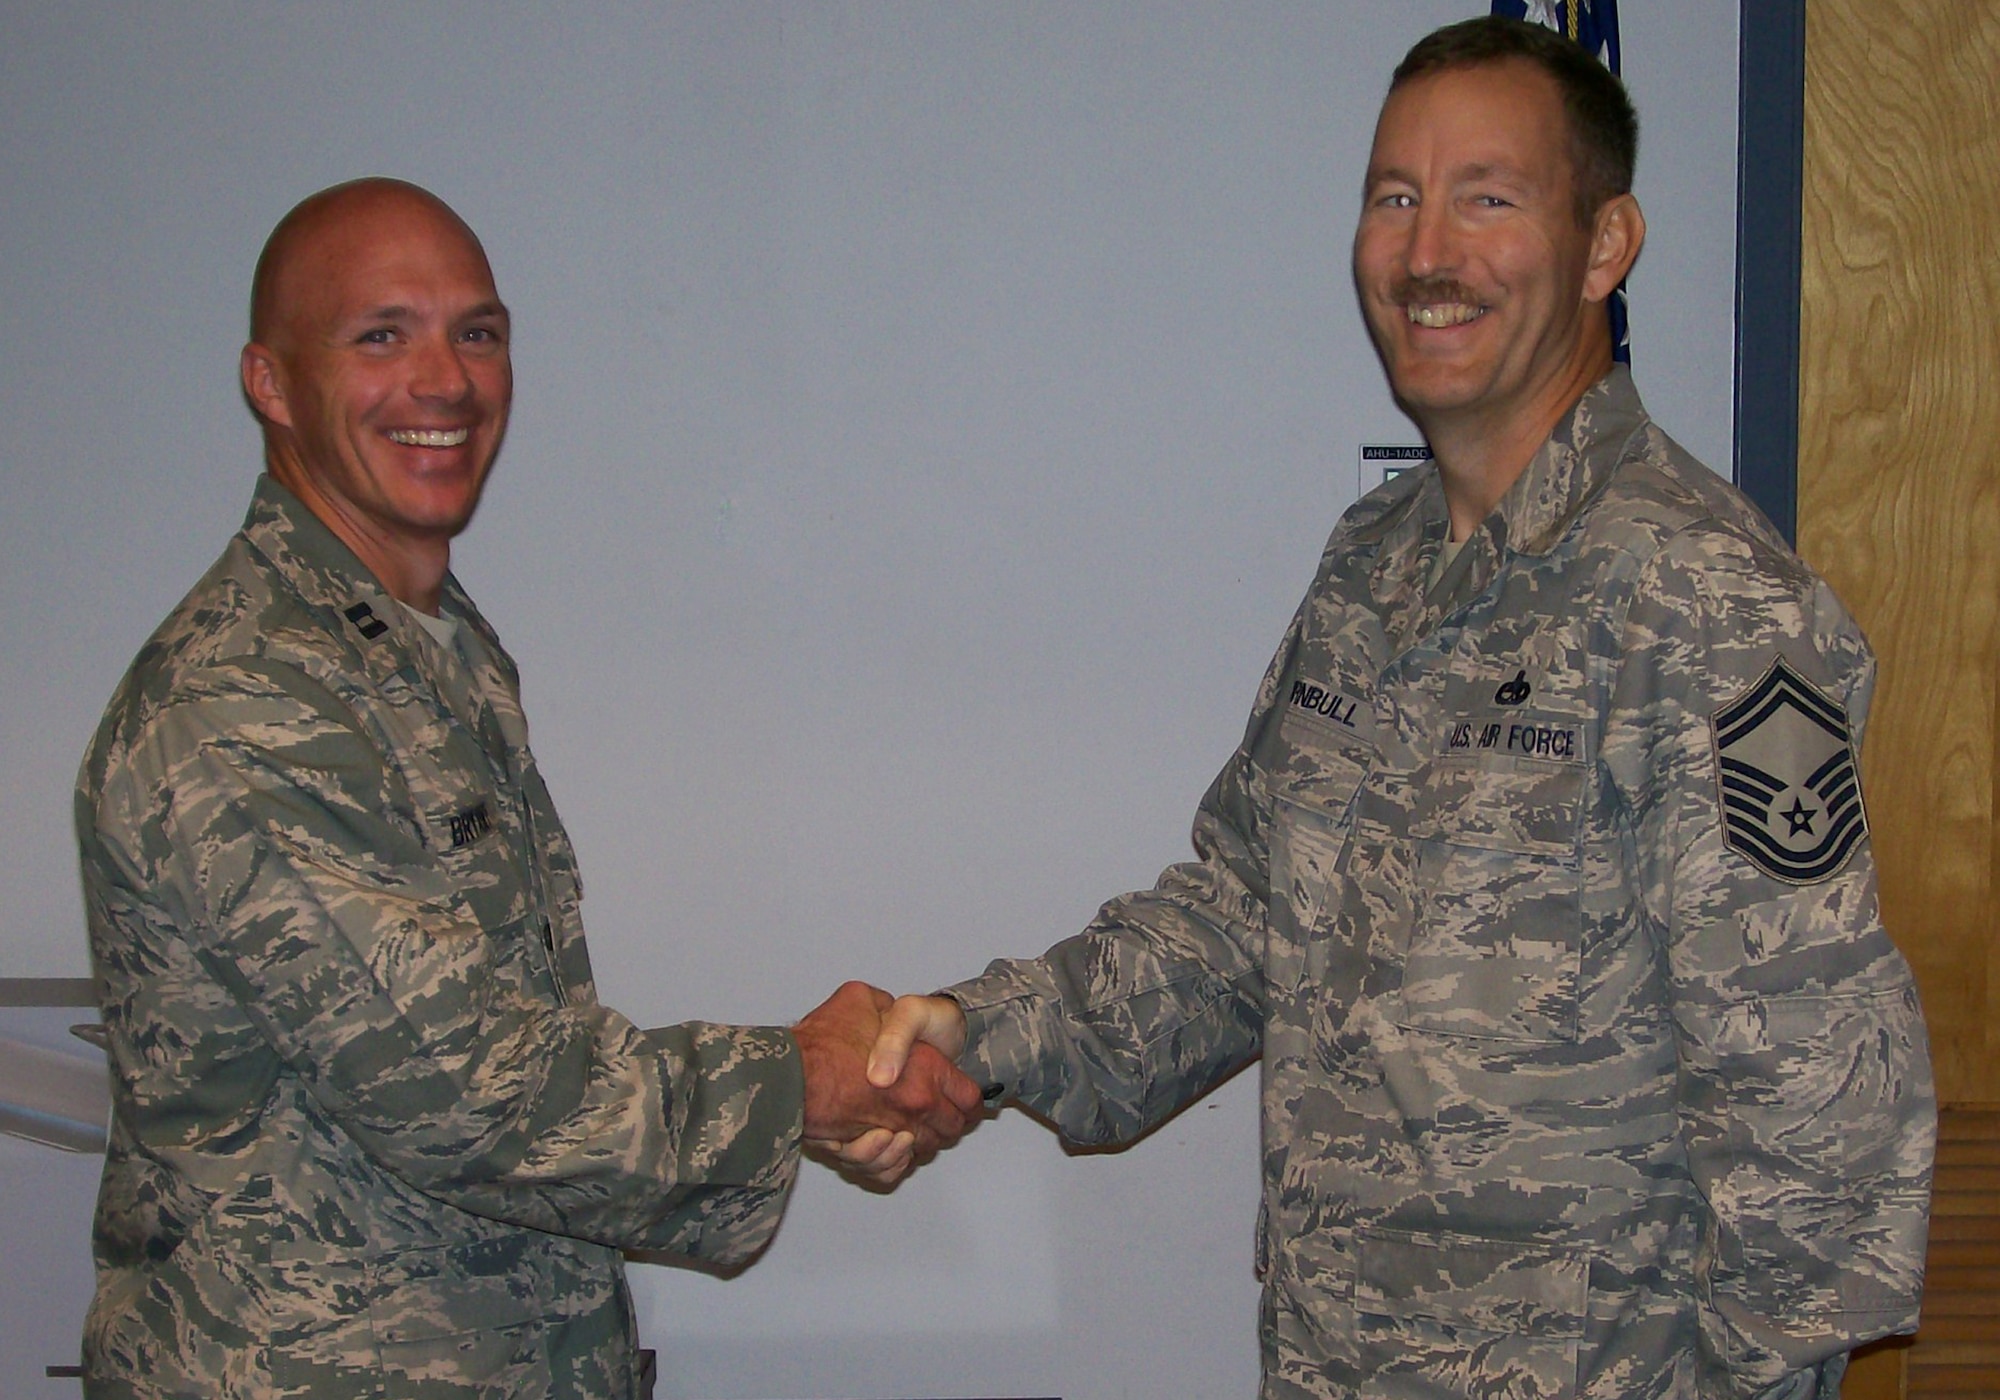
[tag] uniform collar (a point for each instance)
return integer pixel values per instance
(314, 561)
(1572, 468)
(330, 578)
(1564, 476)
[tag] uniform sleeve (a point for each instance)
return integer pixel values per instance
(1806, 1102)
(253, 818)
(1161, 997)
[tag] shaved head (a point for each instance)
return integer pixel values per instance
(290, 250)
(378, 366)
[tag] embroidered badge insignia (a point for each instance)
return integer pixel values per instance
(364, 620)
(1514, 692)
(1791, 797)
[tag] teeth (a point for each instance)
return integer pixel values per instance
(428, 437)
(1455, 314)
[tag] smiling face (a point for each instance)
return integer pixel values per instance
(1483, 293)
(381, 370)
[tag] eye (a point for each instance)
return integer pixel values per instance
(484, 336)
(376, 335)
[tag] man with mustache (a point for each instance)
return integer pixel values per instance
(373, 1133)
(1540, 881)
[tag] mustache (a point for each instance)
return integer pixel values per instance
(1430, 291)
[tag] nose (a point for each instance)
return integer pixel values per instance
(437, 371)
(1432, 248)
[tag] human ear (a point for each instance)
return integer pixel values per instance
(1616, 235)
(264, 384)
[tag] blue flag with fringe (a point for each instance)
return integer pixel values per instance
(1593, 24)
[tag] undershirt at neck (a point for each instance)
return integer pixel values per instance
(1447, 551)
(443, 630)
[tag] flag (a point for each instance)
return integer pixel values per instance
(1593, 24)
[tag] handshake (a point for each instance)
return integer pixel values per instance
(883, 1091)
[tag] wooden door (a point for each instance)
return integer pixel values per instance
(1899, 507)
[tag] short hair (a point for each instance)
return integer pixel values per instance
(1603, 127)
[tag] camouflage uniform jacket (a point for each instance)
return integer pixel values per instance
(1546, 896)
(373, 1135)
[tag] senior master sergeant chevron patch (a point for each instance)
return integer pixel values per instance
(1791, 794)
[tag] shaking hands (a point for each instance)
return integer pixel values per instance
(882, 1091)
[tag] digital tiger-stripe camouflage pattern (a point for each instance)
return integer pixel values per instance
(372, 1132)
(1570, 1089)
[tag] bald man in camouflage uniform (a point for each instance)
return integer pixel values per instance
(373, 1133)
(1540, 880)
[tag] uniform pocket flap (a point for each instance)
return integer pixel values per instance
(1513, 1289)
(1502, 805)
(1317, 774)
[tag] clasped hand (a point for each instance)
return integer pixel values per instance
(882, 1091)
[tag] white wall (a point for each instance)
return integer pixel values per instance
(927, 418)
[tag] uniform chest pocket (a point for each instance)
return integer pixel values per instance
(480, 858)
(1312, 797)
(1496, 926)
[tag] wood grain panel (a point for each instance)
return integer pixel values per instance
(1958, 1344)
(1899, 506)
(1957, 1348)
(1899, 462)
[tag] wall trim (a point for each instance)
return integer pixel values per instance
(1770, 184)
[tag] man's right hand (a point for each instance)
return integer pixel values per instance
(914, 1029)
(878, 1115)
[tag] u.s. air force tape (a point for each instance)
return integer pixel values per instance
(1791, 798)
(1516, 737)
